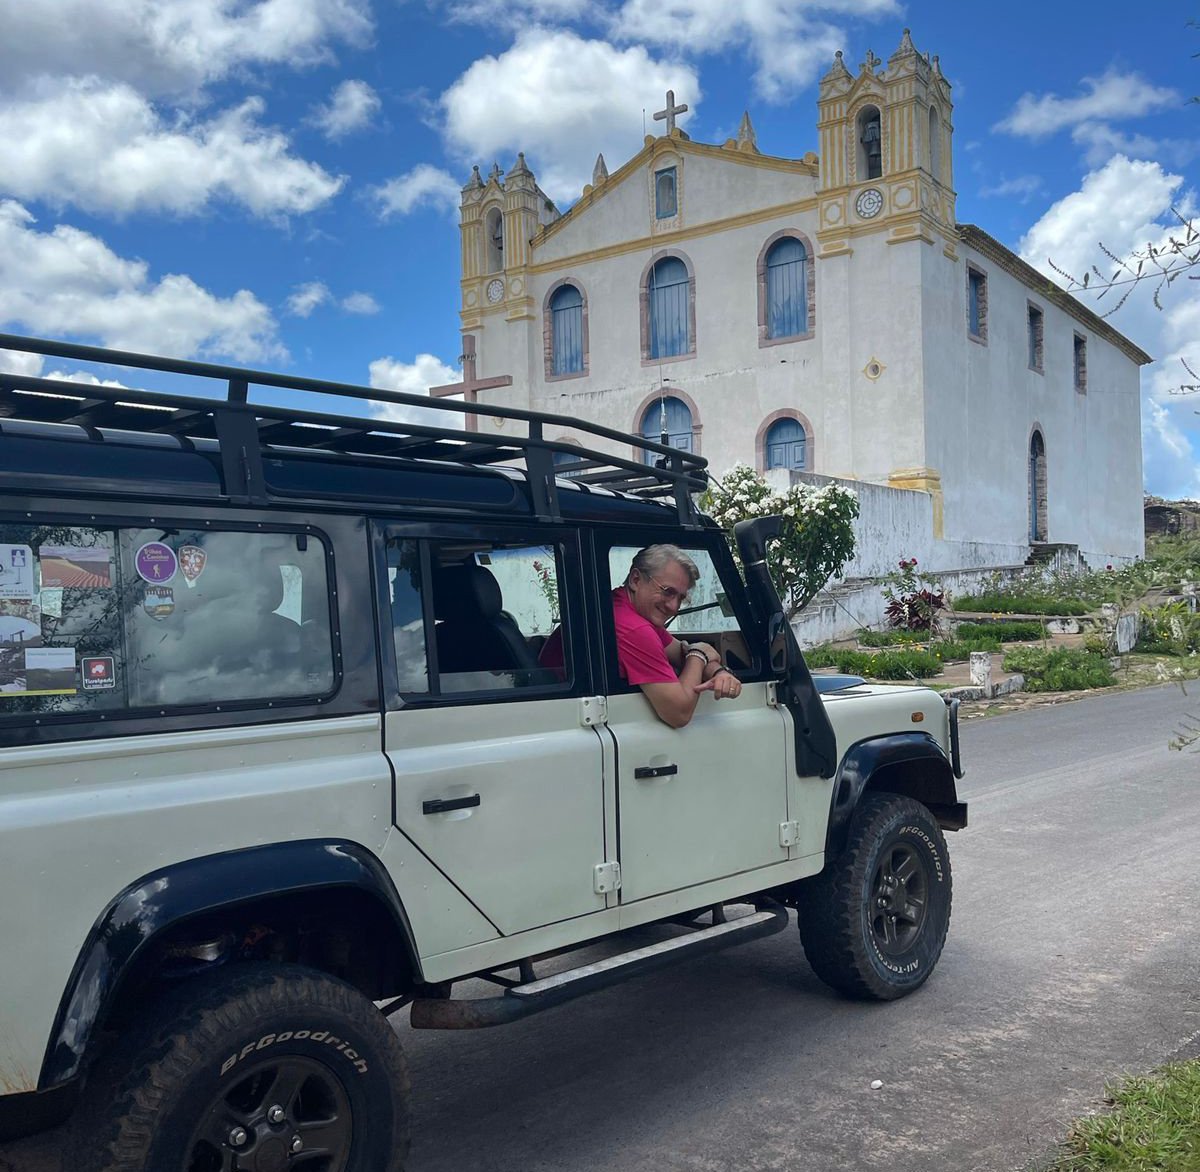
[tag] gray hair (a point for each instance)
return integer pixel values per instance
(654, 558)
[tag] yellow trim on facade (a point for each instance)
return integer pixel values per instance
(923, 480)
(665, 239)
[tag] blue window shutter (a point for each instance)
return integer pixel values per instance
(566, 323)
(787, 289)
(678, 425)
(787, 445)
(668, 289)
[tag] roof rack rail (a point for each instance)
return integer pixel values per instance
(246, 430)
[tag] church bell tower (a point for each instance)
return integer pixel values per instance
(885, 161)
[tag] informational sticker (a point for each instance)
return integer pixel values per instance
(16, 572)
(159, 601)
(156, 562)
(49, 671)
(20, 628)
(76, 565)
(97, 673)
(192, 560)
(51, 601)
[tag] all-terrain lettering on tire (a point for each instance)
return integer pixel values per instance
(244, 1067)
(873, 923)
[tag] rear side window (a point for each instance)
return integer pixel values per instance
(113, 619)
(478, 616)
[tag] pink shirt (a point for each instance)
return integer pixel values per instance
(641, 646)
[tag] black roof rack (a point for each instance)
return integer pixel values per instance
(245, 431)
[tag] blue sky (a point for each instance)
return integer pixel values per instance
(275, 182)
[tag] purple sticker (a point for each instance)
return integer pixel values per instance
(156, 562)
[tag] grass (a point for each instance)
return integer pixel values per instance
(1011, 631)
(1061, 669)
(906, 664)
(1003, 603)
(1154, 1126)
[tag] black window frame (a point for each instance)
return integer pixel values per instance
(574, 616)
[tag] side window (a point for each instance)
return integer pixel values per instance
(493, 620)
(113, 619)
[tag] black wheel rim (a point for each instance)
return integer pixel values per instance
(286, 1113)
(899, 899)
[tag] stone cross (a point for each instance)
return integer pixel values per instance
(670, 112)
(471, 384)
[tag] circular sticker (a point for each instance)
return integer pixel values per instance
(156, 562)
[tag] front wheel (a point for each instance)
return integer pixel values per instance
(873, 923)
(254, 1068)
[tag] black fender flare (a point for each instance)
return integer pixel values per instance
(931, 782)
(165, 898)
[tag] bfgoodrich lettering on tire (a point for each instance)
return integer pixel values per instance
(873, 923)
(255, 1068)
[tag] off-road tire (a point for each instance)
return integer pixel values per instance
(221, 1052)
(873, 923)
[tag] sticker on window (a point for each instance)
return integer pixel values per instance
(75, 565)
(192, 560)
(156, 562)
(97, 673)
(49, 671)
(16, 572)
(159, 601)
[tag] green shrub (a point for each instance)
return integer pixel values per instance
(998, 603)
(950, 649)
(1098, 643)
(1063, 669)
(877, 665)
(1013, 631)
(1170, 629)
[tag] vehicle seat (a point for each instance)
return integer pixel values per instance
(475, 632)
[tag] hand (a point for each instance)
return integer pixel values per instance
(723, 684)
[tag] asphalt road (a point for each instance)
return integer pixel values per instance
(1071, 958)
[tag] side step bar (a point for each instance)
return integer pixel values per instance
(534, 996)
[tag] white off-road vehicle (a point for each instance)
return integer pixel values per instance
(277, 758)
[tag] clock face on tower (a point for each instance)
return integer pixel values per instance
(869, 203)
(495, 290)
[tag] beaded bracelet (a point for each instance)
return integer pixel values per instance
(697, 653)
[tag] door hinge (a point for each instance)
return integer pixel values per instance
(606, 877)
(593, 710)
(772, 694)
(789, 833)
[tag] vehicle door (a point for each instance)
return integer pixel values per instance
(708, 800)
(498, 780)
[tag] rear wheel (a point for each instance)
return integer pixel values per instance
(873, 923)
(252, 1069)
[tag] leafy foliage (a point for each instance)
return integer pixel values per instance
(818, 530)
(1061, 669)
(912, 602)
(890, 638)
(902, 664)
(1170, 628)
(1020, 604)
(1014, 631)
(959, 649)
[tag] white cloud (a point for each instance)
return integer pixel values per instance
(360, 303)
(105, 148)
(305, 298)
(350, 108)
(1101, 141)
(791, 41)
(1112, 96)
(173, 46)
(20, 362)
(423, 186)
(1126, 205)
(67, 282)
(1022, 186)
(414, 378)
(502, 104)
(518, 14)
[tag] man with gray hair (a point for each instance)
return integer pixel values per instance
(671, 673)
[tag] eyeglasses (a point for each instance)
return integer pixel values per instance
(669, 593)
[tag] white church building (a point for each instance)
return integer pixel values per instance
(824, 316)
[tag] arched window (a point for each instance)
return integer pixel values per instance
(786, 445)
(935, 144)
(666, 199)
(667, 288)
(787, 288)
(870, 144)
(493, 244)
(1038, 511)
(566, 330)
(669, 415)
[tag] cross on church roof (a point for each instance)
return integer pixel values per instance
(670, 112)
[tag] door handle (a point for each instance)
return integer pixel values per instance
(643, 771)
(444, 805)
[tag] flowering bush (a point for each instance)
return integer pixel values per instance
(911, 604)
(818, 531)
(548, 586)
